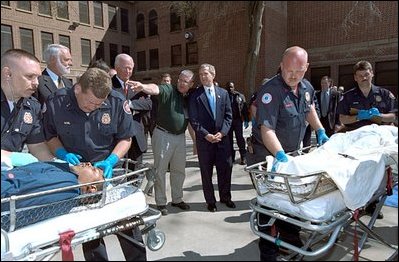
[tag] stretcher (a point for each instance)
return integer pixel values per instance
(327, 189)
(40, 232)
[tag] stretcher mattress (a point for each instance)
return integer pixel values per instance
(80, 220)
(355, 161)
(322, 208)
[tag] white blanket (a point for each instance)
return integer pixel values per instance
(358, 176)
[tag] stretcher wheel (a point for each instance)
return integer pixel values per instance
(155, 239)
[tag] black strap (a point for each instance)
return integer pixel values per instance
(11, 118)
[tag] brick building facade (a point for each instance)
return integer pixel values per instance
(152, 33)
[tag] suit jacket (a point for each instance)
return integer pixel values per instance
(47, 86)
(201, 117)
(141, 104)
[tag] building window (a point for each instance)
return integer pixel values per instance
(152, 23)
(386, 75)
(140, 26)
(141, 64)
(47, 39)
(176, 55)
(62, 9)
(99, 50)
(316, 74)
(84, 12)
(65, 41)
(113, 24)
(5, 3)
(175, 24)
(86, 51)
(126, 49)
(45, 8)
(24, 5)
(154, 59)
(6, 38)
(124, 20)
(345, 77)
(192, 53)
(190, 21)
(26, 36)
(113, 52)
(98, 13)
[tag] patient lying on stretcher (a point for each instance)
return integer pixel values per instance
(41, 176)
(355, 161)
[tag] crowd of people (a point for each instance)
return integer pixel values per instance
(104, 117)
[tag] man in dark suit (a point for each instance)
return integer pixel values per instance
(211, 116)
(59, 62)
(323, 99)
(139, 102)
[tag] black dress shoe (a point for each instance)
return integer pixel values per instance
(229, 203)
(212, 207)
(181, 205)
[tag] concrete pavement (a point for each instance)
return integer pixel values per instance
(199, 235)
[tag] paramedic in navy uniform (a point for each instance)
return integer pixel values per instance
(368, 99)
(92, 123)
(21, 118)
(284, 105)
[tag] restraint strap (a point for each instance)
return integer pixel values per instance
(389, 181)
(355, 239)
(65, 243)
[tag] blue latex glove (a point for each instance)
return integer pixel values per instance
(374, 112)
(108, 164)
(321, 136)
(246, 124)
(71, 158)
(280, 157)
(21, 159)
(363, 115)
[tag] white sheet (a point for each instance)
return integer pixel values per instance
(48, 230)
(318, 209)
(373, 147)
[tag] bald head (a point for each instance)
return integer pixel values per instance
(294, 65)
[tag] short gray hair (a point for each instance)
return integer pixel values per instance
(53, 50)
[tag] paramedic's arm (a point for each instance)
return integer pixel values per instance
(54, 143)
(122, 147)
(388, 118)
(149, 89)
(347, 119)
(270, 140)
(41, 151)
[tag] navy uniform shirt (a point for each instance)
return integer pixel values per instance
(22, 125)
(378, 97)
(280, 110)
(93, 135)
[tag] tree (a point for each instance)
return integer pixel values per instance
(255, 12)
(255, 9)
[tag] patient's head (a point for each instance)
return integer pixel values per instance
(88, 174)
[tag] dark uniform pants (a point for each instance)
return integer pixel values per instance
(288, 232)
(237, 129)
(95, 250)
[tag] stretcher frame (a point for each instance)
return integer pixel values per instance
(145, 220)
(316, 229)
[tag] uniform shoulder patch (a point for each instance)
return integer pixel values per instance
(267, 98)
(126, 107)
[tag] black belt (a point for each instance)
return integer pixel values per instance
(166, 131)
